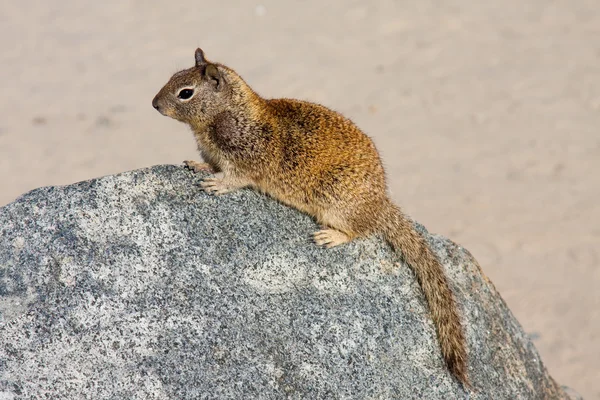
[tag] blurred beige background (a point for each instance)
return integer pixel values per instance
(487, 115)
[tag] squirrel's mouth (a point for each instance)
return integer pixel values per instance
(163, 112)
(166, 111)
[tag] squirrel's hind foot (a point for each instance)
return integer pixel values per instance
(330, 238)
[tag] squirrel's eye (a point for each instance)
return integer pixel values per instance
(185, 93)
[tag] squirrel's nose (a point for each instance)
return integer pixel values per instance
(155, 103)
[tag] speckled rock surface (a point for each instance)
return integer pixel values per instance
(140, 286)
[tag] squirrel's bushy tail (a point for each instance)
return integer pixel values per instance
(400, 232)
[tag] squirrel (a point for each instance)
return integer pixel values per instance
(310, 158)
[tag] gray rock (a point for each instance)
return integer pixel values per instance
(140, 286)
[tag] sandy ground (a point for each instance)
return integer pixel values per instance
(487, 115)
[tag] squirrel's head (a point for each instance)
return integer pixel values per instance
(197, 94)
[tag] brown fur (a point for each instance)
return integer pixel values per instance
(313, 159)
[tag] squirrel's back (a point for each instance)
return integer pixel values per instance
(323, 151)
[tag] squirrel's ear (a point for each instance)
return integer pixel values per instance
(200, 60)
(214, 76)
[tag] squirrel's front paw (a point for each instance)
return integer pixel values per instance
(198, 166)
(216, 186)
(223, 183)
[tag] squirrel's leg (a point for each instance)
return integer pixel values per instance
(223, 184)
(197, 166)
